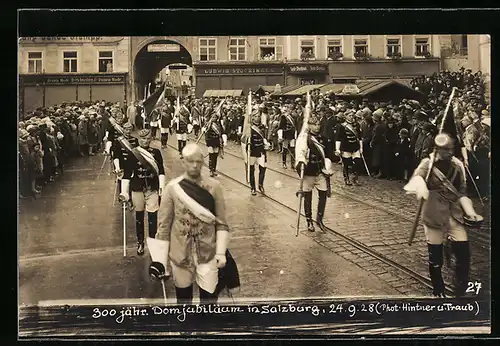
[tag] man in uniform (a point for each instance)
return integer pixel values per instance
(349, 147)
(144, 174)
(192, 230)
(317, 167)
(287, 132)
(443, 212)
(154, 118)
(197, 113)
(182, 120)
(258, 144)
(213, 139)
(167, 112)
(119, 153)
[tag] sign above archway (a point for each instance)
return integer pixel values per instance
(164, 47)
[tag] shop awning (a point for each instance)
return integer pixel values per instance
(222, 93)
(304, 89)
(384, 88)
(286, 89)
(266, 88)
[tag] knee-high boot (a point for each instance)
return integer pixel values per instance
(153, 132)
(461, 250)
(283, 157)
(435, 264)
(206, 297)
(163, 140)
(152, 224)
(184, 295)
(262, 175)
(356, 170)
(346, 162)
(308, 210)
(292, 156)
(139, 230)
(179, 146)
(321, 208)
(214, 164)
(252, 179)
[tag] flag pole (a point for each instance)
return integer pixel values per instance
(249, 137)
(431, 164)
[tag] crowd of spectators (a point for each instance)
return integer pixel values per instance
(50, 137)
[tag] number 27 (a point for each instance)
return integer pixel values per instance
(471, 285)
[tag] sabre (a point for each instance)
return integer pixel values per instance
(475, 186)
(300, 195)
(366, 166)
(116, 188)
(164, 291)
(102, 166)
(431, 164)
(124, 208)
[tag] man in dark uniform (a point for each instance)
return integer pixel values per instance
(287, 131)
(144, 174)
(120, 154)
(258, 144)
(182, 120)
(213, 139)
(166, 112)
(314, 152)
(328, 124)
(154, 118)
(197, 113)
(443, 212)
(348, 147)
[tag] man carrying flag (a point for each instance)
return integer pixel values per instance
(144, 174)
(193, 233)
(314, 154)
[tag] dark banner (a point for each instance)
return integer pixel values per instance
(239, 70)
(445, 316)
(307, 69)
(73, 79)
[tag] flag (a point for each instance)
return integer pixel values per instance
(247, 125)
(301, 147)
(451, 127)
(155, 100)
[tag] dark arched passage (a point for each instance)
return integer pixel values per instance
(148, 64)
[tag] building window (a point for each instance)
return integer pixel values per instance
(105, 61)
(70, 61)
(334, 49)
(307, 49)
(268, 50)
(237, 49)
(464, 46)
(208, 48)
(360, 47)
(34, 62)
(422, 47)
(393, 47)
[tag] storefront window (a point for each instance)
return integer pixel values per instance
(307, 49)
(237, 49)
(208, 49)
(34, 62)
(70, 62)
(307, 81)
(105, 61)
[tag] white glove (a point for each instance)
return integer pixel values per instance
(467, 206)
(224, 139)
(221, 260)
(125, 187)
(280, 134)
(159, 250)
(239, 129)
(161, 179)
(419, 186)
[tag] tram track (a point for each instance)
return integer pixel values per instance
(477, 236)
(349, 240)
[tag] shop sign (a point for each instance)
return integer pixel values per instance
(168, 47)
(73, 80)
(69, 39)
(307, 68)
(254, 70)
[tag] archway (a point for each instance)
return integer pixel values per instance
(151, 60)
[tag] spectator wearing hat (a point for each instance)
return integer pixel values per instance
(378, 144)
(392, 136)
(403, 155)
(92, 133)
(83, 140)
(429, 131)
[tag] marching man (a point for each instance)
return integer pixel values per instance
(193, 233)
(349, 147)
(287, 134)
(314, 154)
(182, 121)
(120, 154)
(144, 174)
(214, 140)
(445, 212)
(166, 119)
(258, 146)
